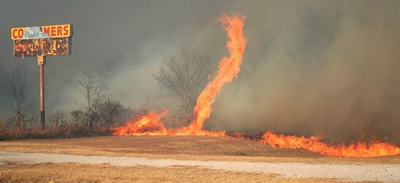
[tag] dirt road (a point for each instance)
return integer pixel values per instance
(357, 172)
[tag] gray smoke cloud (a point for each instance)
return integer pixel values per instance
(124, 41)
(310, 67)
(323, 67)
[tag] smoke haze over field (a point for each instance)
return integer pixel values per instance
(327, 67)
(309, 67)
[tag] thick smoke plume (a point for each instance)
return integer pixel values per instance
(310, 67)
(326, 68)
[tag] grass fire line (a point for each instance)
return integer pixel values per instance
(229, 67)
(314, 144)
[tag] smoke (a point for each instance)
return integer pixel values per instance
(123, 41)
(310, 67)
(324, 68)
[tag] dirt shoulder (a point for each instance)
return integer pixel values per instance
(352, 172)
(181, 147)
(17, 172)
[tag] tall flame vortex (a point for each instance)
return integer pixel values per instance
(228, 69)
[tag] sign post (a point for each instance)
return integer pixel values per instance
(41, 41)
(41, 62)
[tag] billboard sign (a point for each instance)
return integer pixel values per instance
(48, 40)
(41, 47)
(35, 32)
(41, 41)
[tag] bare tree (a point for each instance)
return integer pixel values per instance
(58, 119)
(186, 76)
(93, 89)
(110, 111)
(79, 117)
(20, 90)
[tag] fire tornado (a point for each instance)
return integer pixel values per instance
(229, 67)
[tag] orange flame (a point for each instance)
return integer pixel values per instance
(151, 124)
(229, 68)
(314, 144)
(148, 124)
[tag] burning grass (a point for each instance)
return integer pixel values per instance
(315, 144)
(151, 124)
(229, 68)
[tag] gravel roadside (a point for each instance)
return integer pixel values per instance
(357, 172)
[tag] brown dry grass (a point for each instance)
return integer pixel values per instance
(180, 147)
(72, 172)
(67, 131)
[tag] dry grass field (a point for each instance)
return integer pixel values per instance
(181, 147)
(72, 172)
(174, 147)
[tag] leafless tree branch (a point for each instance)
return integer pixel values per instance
(186, 76)
(93, 89)
(20, 91)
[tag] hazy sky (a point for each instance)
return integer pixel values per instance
(124, 41)
(310, 66)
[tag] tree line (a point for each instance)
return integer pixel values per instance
(184, 76)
